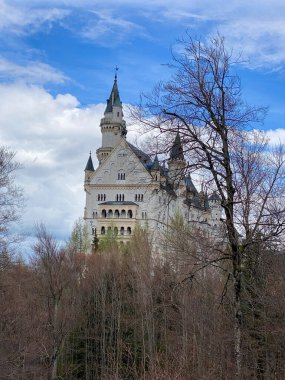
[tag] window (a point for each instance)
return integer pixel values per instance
(104, 214)
(121, 176)
(143, 215)
(101, 197)
(129, 231)
(102, 230)
(130, 214)
(120, 197)
(139, 198)
(122, 231)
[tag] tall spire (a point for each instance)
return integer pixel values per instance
(89, 165)
(176, 151)
(114, 98)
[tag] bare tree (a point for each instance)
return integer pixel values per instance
(203, 101)
(57, 278)
(11, 199)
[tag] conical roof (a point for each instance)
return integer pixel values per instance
(176, 152)
(89, 165)
(155, 165)
(189, 185)
(114, 98)
(214, 197)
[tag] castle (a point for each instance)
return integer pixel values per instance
(128, 188)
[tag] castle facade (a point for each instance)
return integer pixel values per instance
(129, 188)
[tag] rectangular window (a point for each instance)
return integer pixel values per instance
(138, 197)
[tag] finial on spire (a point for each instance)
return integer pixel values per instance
(90, 152)
(116, 70)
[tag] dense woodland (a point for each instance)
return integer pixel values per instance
(123, 314)
(193, 309)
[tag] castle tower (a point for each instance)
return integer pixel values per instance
(113, 126)
(176, 162)
(89, 169)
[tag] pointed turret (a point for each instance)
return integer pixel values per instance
(89, 165)
(176, 162)
(176, 152)
(155, 165)
(89, 169)
(114, 98)
(113, 126)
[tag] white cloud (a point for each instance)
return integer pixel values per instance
(104, 27)
(52, 137)
(257, 27)
(276, 136)
(32, 72)
(20, 18)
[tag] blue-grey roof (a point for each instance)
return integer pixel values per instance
(189, 185)
(214, 197)
(89, 165)
(142, 156)
(155, 164)
(176, 152)
(125, 203)
(114, 98)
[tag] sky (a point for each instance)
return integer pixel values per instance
(57, 60)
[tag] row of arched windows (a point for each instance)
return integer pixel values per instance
(120, 197)
(123, 231)
(116, 214)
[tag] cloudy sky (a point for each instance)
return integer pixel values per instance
(57, 60)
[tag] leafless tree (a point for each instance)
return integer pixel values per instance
(203, 101)
(57, 279)
(11, 200)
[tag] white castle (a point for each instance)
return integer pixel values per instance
(128, 188)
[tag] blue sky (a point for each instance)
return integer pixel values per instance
(57, 60)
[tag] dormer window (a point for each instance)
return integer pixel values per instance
(121, 176)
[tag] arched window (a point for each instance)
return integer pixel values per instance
(136, 197)
(122, 231)
(115, 231)
(116, 214)
(129, 231)
(103, 230)
(104, 214)
(123, 213)
(123, 197)
(130, 214)
(110, 214)
(109, 230)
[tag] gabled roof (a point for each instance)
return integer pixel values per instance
(89, 165)
(114, 98)
(176, 152)
(142, 156)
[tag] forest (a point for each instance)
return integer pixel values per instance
(123, 314)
